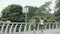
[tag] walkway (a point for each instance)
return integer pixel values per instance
(51, 31)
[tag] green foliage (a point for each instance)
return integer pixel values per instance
(57, 12)
(45, 19)
(50, 20)
(13, 13)
(37, 18)
(32, 11)
(42, 9)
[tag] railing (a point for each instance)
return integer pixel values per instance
(20, 27)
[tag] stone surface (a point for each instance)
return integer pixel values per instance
(0, 32)
(51, 31)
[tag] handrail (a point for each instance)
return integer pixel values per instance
(46, 26)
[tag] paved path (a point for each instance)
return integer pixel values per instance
(51, 31)
(0, 32)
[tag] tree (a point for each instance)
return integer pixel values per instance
(44, 9)
(13, 13)
(57, 11)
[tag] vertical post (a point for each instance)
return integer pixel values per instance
(56, 25)
(20, 28)
(6, 28)
(38, 27)
(50, 26)
(59, 25)
(15, 28)
(53, 25)
(26, 17)
(29, 27)
(25, 27)
(2, 28)
(10, 28)
(45, 25)
(25, 10)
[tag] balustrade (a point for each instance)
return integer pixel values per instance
(9, 27)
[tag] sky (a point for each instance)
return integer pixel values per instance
(37, 3)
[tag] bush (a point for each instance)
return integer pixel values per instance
(37, 18)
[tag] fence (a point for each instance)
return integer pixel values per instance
(21, 27)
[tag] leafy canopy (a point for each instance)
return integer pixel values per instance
(13, 13)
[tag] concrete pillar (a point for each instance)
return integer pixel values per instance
(49, 25)
(29, 27)
(2, 27)
(25, 27)
(38, 27)
(20, 28)
(46, 26)
(15, 28)
(53, 25)
(59, 25)
(6, 28)
(11, 28)
(56, 25)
